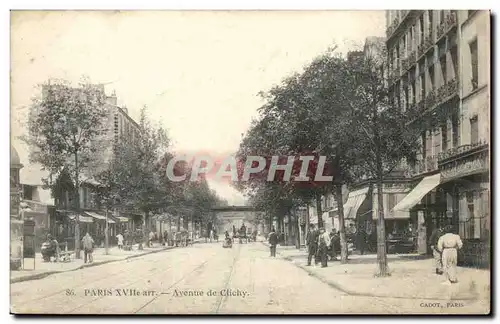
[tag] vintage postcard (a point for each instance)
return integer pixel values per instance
(250, 162)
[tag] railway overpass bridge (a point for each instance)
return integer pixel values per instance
(228, 216)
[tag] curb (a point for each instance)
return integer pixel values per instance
(339, 287)
(48, 273)
(350, 292)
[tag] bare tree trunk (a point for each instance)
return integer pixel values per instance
(383, 269)
(319, 210)
(289, 240)
(343, 239)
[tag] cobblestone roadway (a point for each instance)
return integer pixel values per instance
(259, 284)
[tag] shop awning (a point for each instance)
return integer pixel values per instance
(353, 203)
(82, 218)
(414, 197)
(110, 221)
(122, 219)
(95, 215)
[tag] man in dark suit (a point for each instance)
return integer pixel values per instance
(273, 241)
(312, 244)
(433, 240)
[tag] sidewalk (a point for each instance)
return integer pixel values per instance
(412, 276)
(43, 269)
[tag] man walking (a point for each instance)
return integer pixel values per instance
(323, 242)
(273, 241)
(433, 241)
(312, 244)
(165, 238)
(88, 248)
(449, 244)
(361, 240)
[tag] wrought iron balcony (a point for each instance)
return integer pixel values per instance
(430, 99)
(408, 62)
(464, 160)
(445, 26)
(461, 151)
(425, 46)
(451, 20)
(392, 27)
(446, 91)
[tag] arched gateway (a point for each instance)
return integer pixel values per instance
(229, 216)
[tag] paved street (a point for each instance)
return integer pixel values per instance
(243, 279)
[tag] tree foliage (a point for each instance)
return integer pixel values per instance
(66, 121)
(338, 107)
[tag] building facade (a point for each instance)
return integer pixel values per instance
(439, 64)
(92, 219)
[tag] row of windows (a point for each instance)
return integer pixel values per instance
(126, 130)
(417, 33)
(448, 136)
(427, 78)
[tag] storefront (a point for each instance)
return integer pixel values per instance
(43, 215)
(64, 229)
(466, 184)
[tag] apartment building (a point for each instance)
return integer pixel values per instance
(439, 65)
(121, 127)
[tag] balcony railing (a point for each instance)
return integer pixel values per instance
(425, 46)
(397, 21)
(408, 62)
(392, 27)
(462, 150)
(448, 90)
(464, 161)
(445, 26)
(430, 99)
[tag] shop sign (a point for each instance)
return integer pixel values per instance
(464, 168)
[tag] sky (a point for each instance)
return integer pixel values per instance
(198, 72)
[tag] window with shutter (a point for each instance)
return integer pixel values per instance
(422, 86)
(442, 64)
(474, 63)
(444, 137)
(430, 24)
(469, 223)
(421, 28)
(423, 151)
(431, 77)
(455, 131)
(474, 131)
(437, 141)
(428, 144)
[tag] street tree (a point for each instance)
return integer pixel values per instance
(387, 134)
(63, 125)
